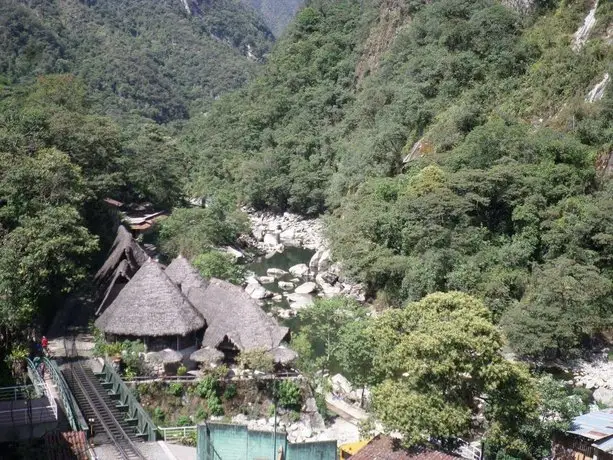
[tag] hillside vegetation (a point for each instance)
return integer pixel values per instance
(276, 13)
(500, 198)
(149, 59)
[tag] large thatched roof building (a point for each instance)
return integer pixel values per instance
(233, 319)
(153, 308)
(171, 308)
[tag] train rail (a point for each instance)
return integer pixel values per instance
(97, 405)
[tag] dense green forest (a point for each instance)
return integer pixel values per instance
(501, 198)
(138, 58)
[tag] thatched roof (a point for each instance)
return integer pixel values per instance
(184, 275)
(124, 248)
(150, 305)
(166, 356)
(228, 311)
(207, 355)
(122, 271)
(282, 355)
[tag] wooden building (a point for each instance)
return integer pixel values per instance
(590, 437)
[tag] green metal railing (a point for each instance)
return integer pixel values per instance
(126, 401)
(69, 403)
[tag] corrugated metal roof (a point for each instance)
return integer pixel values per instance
(594, 425)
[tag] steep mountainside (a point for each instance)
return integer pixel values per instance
(277, 13)
(454, 144)
(148, 58)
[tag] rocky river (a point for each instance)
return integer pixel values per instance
(296, 265)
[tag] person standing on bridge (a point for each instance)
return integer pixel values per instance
(45, 343)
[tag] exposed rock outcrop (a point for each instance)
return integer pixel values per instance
(583, 32)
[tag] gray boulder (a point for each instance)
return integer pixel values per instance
(300, 270)
(604, 396)
(306, 288)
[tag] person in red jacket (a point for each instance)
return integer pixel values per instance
(45, 343)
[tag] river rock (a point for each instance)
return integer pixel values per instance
(271, 239)
(276, 272)
(298, 301)
(286, 313)
(266, 279)
(287, 235)
(604, 396)
(277, 298)
(286, 285)
(327, 289)
(234, 252)
(329, 277)
(300, 270)
(257, 291)
(306, 288)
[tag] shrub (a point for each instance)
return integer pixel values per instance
(214, 404)
(175, 389)
(159, 416)
(322, 408)
(201, 414)
(206, 387)
(294, 416)
(271, 410)
(184, 420)
(230, 392)
(257, 360)
(289, 395)
(182, 370)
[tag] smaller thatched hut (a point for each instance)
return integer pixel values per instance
(283, 356)
(207, 356)
(152, 308)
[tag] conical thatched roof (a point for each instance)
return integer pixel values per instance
(282, 355)
(207, 355)
(124, 248)
(150, 305)
(166, 356)
(228, 311)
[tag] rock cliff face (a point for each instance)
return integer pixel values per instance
(392, 15)
(276, 13)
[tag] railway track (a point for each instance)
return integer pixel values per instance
(96, 404)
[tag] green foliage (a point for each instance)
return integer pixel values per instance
(230, 392)
(206, 387)
(159, 416)
(182, 370)
(320, 337)
(217, 264)
(214, 405)
(184, 420)
(175, 389)
(201, 415)
(433, 359)
(288, 395)
(256, 360)
(154, 61)
(194, 231)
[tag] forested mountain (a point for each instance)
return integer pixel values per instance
(453, 147)
(276, 13)
(150, 59)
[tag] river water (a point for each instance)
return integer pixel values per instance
(283, 260)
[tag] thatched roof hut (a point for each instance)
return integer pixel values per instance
(124, 249)
(230, 313)
(283, 356)
(150, 305)
(207, 356)
(166, 356)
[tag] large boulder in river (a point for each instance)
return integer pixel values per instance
(306, 288)
(298, 301)
(276, 272)
(320, 262)
(257, 291)
(603, 396)
(271, 239)
(300, 270)
(286, 285)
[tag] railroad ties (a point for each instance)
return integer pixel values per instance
(110, 426)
